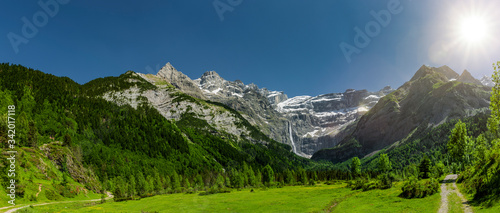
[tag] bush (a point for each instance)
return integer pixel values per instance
(370, 185)
(52, 195)
(413, 188)
(385, 181)
(358, 183)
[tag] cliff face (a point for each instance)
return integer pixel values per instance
(305, 123)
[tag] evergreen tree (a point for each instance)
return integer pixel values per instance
(27, 103)
(258, 177)
(167, 184)
(252, 181)
(158, 184)
(425, 167)
(176, 184)
(237, 179)
(268, 175)
(289, 178)
(141, 184)
(132, 187)
(199, 181)
(220, 181)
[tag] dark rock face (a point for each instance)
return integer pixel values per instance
(429, 99)
(304, 122)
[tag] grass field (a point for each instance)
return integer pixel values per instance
(287, 199)
(387, 200)
(320, 198)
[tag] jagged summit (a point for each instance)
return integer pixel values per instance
(466, 77)
(486, 81)
(426, 70)
(447, 72)
(179, 80)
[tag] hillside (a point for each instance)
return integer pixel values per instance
(431, 98)
(123, 139)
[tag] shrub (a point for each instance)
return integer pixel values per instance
(413, 188)
(358, 183)
(385, 181)
(52, 195)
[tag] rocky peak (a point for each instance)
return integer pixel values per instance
(386, 90)
(446, 72)
(211, 81)
(466, 77)
(167, 71)
(486, 81)
(421, 72)
(179, 80)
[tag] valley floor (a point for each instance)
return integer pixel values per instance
(319, 198)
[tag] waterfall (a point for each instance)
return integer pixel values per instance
(291, 137)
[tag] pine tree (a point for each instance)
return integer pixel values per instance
(132, 187)
(425, 167)
(176, 184)
(268, 175)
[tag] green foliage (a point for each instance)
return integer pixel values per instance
(482, 179)
(125, 81)
(384, 165)
(424, 168)
(494, 120)
(414, 188)
(438, 169)
(355, 166)
(457, 145)
(268, 175)
(67, 140)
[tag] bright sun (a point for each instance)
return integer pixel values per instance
(473, 29)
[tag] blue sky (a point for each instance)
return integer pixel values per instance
(285, 45)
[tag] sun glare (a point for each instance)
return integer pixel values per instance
(473, 29)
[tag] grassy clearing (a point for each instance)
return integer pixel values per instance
(287, 199)
(388, 201)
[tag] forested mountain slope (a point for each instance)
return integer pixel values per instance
(432, 97)
(133, 149)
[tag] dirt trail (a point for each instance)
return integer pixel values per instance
(39, 189)
(446, 190)
(14, 209)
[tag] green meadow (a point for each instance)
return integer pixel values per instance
(319, 198)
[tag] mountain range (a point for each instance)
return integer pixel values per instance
(309, 124)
